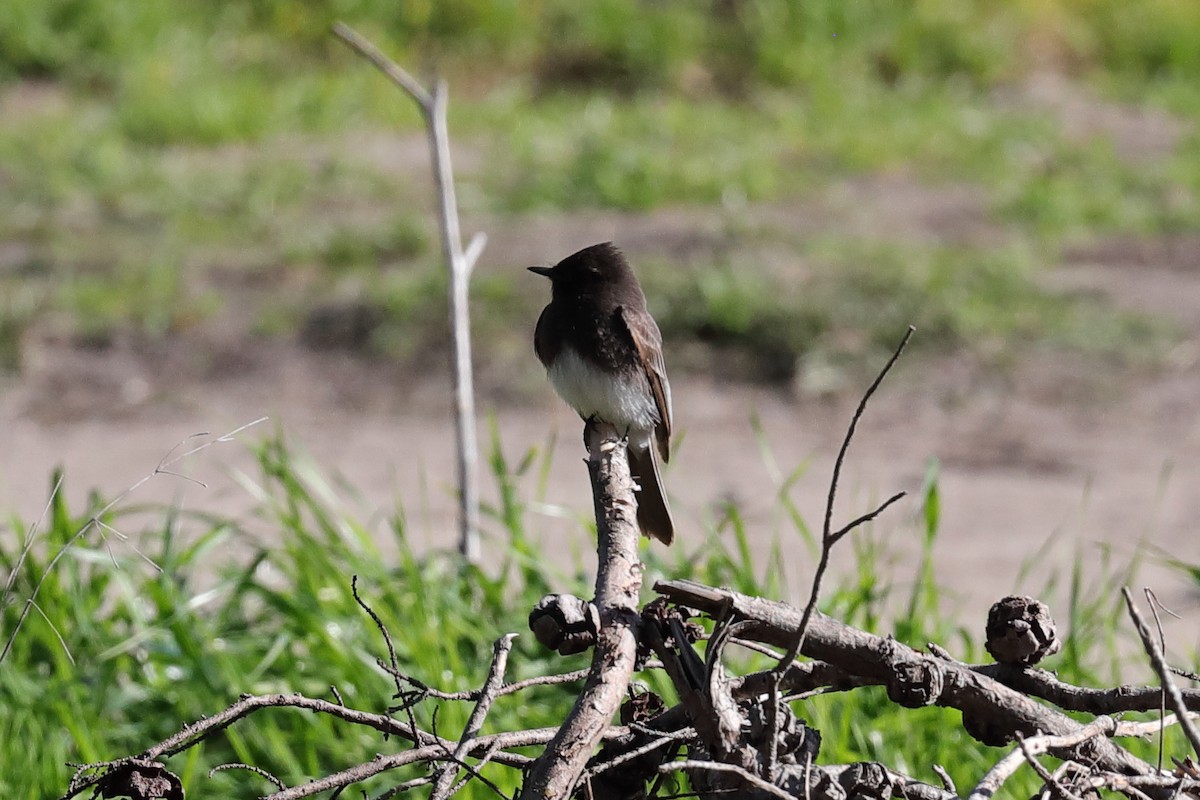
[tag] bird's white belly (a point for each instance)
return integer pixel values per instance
(624, 398)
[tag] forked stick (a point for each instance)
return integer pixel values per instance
(459, 263)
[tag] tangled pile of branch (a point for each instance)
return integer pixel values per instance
(732, 735)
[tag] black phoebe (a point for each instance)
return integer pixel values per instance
(603, 353)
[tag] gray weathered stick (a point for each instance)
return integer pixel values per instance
(491, 690)
(1037, 745)
(460, 265)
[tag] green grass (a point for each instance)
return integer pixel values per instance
(157, 160)
(236, 610)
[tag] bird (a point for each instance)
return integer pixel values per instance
(603, 354)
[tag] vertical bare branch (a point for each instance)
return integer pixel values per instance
(433, 110)
(460, 328)
(618, 585)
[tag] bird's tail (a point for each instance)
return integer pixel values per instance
(653, 513)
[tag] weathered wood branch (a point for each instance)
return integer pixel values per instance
(992, 713)
(618, 586)
(1037, 745)
(489, 693)
(1040, 683)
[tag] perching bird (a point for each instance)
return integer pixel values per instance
(603, 353)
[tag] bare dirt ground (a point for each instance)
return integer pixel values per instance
(1040, 460)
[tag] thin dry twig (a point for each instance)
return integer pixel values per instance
(473, 772)
(1164, 672)
(262, 773)
(691, 765)
(1033, 746)
(490, 691)
(1126, 783)
(387, 637)
(543, 680)
(829, 538)
(473, 694)
(161, 468)
(945, 778)
(1052, 783)
(1037, 745)
(1155, 605)
(401, 788)
(662, 740)
(30, 538)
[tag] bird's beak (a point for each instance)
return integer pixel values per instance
(545, 272)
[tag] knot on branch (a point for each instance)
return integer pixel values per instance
(866, 780)
(1020, 631)
(914, 684)
(565, 623)
(136, 778)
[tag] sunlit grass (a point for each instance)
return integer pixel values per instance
(143, 651)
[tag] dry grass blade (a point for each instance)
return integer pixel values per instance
(96, 519)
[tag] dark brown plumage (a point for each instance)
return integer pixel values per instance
(603, 353)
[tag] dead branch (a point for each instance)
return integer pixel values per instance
(1174, 698)
(739, 735)
(430, 749)
(1045, 685)
(721, 721)
(1048, 780)
(992, 712)
(829, 537)
(491, 690)
(259, 771)
(618, 584)
(1038, 745)
(460, 265)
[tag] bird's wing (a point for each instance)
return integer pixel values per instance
(541, 340)
(647, 341)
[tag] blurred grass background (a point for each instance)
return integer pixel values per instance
(169, 166)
